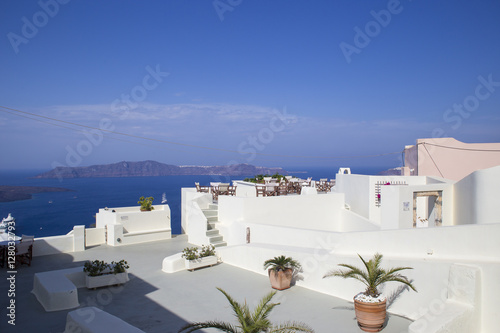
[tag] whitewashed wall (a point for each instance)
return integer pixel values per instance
(477, 197)
(194, 222)
(320, 211)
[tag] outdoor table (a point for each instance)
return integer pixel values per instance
(4, 242)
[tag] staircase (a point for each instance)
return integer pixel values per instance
(214, 237)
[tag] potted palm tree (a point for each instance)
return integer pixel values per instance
(249, 322)
(370, 305)
(146, 204)
(280, 270)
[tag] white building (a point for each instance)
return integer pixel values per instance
(448, 231)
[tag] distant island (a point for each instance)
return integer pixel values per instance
(153, 168)
(14, 193)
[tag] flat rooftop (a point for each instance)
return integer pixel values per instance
(155, 301)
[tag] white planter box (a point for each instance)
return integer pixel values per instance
(105, 280)
(202, 262)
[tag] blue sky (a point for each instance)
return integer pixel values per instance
(271, 83)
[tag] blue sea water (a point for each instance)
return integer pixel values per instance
(55, 213)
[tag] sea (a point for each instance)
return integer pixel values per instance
(55, 213)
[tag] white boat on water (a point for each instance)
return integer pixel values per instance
(164, 198)
(6, 221)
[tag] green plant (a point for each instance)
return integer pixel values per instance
(120, 266)
(207, 250)
(190, 253)
(249, 322)
(372, 276)
(193, 253)
(95, 268)
(146, 203)
(99, 267)
(281, 263)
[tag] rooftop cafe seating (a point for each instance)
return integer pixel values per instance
(307, 182)
(294, 186)
(203, 189)
(271, 189)
(24, 250)
(282, 189)
(222, 189)
(231, 190)
(261, 190)
(3, 255)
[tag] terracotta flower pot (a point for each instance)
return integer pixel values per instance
(280, 280)
(370, 316)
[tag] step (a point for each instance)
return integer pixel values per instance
(212, 232)
(210, 212)
(211, 226)
(213, 219)
(215, 239)
(219, 244)
(213, 206)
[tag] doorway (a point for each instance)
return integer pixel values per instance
(427, 209)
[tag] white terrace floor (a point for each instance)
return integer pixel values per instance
(155, 301)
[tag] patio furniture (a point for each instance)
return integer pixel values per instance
(3, 255)
(221, 189)
(271, 190)
(201, 189)
(94, 320)
(57, 290)
(283, 189)
(24, 253)
(307, 182)
(261, 190)
(231, 190)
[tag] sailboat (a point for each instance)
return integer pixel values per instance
(164, 198)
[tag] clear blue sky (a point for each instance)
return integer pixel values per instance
(280, 78)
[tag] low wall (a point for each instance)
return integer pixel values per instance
(129, 225)
(431, 253)
(194, 222)
(319, 212)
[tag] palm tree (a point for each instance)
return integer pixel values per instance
(255, 322)
(373, 276)
(281, 263)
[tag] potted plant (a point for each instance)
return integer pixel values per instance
(197, 258)
(100, 274)
(280, 270)
(248, 321)
(146, 204)
(370, 305)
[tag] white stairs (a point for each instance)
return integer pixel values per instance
(215, 238)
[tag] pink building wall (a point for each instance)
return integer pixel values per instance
(449, 158)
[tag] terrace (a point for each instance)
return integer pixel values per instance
(454, 256)
(155, 301)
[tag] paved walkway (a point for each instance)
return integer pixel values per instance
(155, 301)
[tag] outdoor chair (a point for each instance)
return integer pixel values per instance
(203, 189)
(283, 189)
(307, 182)
(223, 188)
(3, 255)
(261, 190)
(231, 190)
(271, 190)
(24, 253)
(319, 186)
(27, 238)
